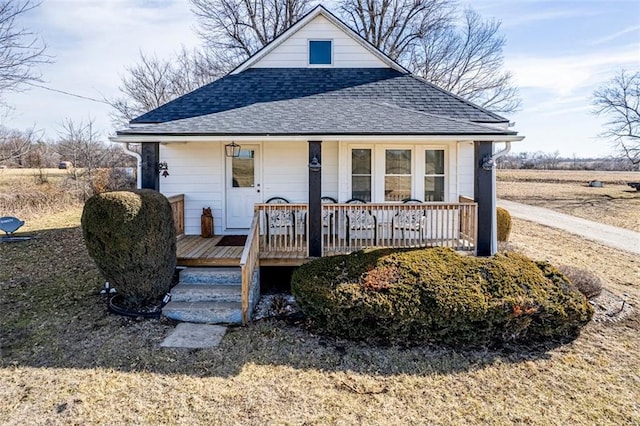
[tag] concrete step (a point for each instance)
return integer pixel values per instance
(206, 293)
(207, 276)
(204, 312)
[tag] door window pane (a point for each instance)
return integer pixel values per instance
(242, 169)
(434, 175)
(397, 179)
(361, 174)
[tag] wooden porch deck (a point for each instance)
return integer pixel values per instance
(194, 250)
(279, 232)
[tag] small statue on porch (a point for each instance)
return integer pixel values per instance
(206, 222)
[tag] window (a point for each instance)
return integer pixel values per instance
(320, 52)
(361, 174)
(397, 177)
(434, 175)
(242, 169)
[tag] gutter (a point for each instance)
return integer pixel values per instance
(174, 138)
(138, 158)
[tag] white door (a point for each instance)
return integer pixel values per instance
(243, 187)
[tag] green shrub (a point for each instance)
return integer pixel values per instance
(589, 284)
(437, 295)
(504, 224)
(131, 237)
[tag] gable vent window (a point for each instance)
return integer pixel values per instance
(320, 52)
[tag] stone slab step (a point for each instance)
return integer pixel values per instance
(219, 276)
(206, 293)
(204, 312)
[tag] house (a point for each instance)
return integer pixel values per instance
(320, 112)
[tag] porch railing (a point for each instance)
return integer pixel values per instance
(249, 262)
(177, 208)
(350, 227)
(283, 227)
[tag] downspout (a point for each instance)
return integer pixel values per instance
(138, 158)
(505, 151)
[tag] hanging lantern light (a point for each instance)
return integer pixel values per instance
(232, 149)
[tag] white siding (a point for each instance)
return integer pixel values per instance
(195, 170)
(293, 52)
(284, 170)
(466, 169)
(330, 169)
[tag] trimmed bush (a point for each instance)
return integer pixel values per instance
(437, 295)
(131, 237)
(504, 224)
(589, 284)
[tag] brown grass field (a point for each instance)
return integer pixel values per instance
(568, 192)
(65, 360)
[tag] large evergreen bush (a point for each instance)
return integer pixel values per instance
(438, 295)
(131, 237)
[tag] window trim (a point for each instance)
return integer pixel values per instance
(372, 192)
(417, 166)
(444, 174)
(410, 175)
(330, 64)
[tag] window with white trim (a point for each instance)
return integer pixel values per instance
(320, 52)
(434, 174)
(393, 172)
(361, 174)
(397, 176)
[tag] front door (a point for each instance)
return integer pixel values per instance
(243, 187)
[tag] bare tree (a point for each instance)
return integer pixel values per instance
(80, 143)
(397, 26)
(153, 82)
(467, 60)
(20, 49)
(618, 100)
(16, 145)
(239, 28)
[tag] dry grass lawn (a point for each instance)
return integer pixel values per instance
(567, 191)
(65, 360)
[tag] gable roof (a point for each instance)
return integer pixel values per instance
(314, 13)
(257, 101)
(237, 98)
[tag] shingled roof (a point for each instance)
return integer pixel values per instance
(300, 101)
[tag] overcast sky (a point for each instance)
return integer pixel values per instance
(559, 52)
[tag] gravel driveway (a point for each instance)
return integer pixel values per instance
(608, 235)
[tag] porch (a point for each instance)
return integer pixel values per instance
(281, 231)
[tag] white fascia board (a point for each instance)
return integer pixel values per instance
(164, 139)
(319, 10)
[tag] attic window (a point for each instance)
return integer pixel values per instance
(320, 52)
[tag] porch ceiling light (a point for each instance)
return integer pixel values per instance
(314, 164)
(232, 149)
